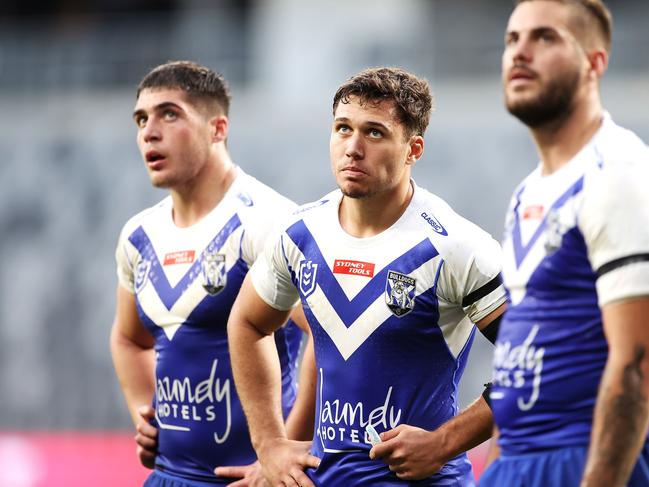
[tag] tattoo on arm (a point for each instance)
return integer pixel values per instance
(622, 419)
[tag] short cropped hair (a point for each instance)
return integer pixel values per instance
(201, 85)
(410, 94)
(596, 12)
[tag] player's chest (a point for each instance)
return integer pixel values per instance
(344, 273)
(542, 233)
(186, 280)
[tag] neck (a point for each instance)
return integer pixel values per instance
(366, 217)
(558, 142)
(193, 201)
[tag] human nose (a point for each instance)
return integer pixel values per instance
(150, 131)
(521, 50)
(354, 148)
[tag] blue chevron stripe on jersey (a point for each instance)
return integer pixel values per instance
(170, 294)
(520, 250)
(348, 310)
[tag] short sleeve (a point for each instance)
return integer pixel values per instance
(262, 222)
(124, 260)
(271, 276)
(614, 220)
(472, 276)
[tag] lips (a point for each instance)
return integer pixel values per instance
(154, 159)
(353, 171)
(520, 73)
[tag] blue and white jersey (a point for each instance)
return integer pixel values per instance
(574, 241)
(392, 320)
(185, 281)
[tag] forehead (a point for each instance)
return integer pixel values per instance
(384, 111)
(537, 14)
(151, 97)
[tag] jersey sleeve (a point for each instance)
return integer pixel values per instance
(271, 276)
(614, 220)
(272, 213)
(125, 259)
(471, 275)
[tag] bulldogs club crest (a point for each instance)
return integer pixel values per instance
(308, 272)
(142, 274)
(400, 293)
(553, 232)
(213, 272)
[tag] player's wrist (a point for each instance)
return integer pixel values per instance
(266, 446)
(441, 449)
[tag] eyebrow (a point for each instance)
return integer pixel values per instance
(536, 30)
(368, 123)
(160, 107)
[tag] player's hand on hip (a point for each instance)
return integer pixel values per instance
(249, 475)
(146, 437)
(409, 452)
(283, 462)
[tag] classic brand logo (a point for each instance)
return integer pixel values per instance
(400, 293)
(353, 267)
(434, 223)
(180, 257)
(213, 272)
(308, 272)
(245, 199)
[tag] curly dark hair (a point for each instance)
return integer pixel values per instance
(410, 94)
(200, 84)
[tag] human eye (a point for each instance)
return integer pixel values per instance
(170, 115)
(547, 36)
(140, 120)
(375, 133)
(510, 39)
(342, 128)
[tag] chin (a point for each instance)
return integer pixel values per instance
(355, 192)
(159, 182)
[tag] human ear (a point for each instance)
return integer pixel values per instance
(598, 62)
(416, 144)
(219, 127)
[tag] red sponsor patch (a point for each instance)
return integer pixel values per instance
(533, 212)
(180, 257)
(353, 267)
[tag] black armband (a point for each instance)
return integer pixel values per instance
(486, 392)
(490, 331)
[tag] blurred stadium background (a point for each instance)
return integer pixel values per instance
(71, 175)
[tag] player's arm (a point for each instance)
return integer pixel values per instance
(622, 407)
(257, 375)
(131, 347)
(413, 453)
(299, 424)
(494, 449)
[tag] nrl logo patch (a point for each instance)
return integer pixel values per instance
(142, 274)
(308, 272)
(400, 293)
(213, 272)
